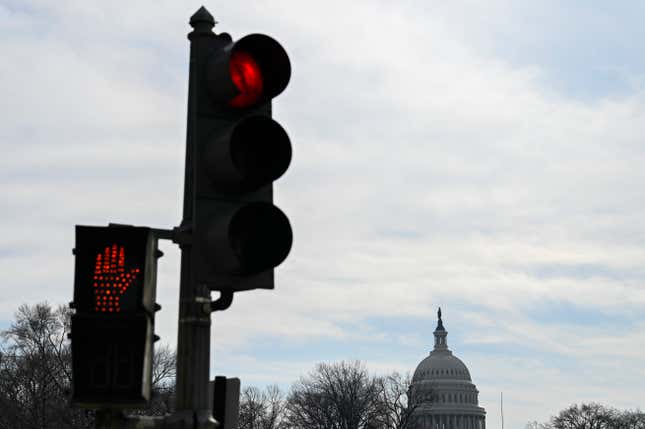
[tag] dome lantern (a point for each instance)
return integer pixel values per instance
(440, 334)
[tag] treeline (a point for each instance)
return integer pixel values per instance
(35, 380)
(340, 395)
(593, 416)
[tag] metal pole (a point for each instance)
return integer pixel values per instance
(193, 339)
(501, 406)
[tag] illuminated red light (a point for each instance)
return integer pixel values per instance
(111, 279)
(246, 74)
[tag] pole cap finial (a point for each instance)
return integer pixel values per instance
(202, 18)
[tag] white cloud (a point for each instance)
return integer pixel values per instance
(428, 169)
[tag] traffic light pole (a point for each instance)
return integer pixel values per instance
(231, 235)
(192, 408)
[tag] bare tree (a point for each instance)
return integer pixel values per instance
(261, 409)
(632, 419)
(334, 396)
(585, 416)
(395, 407)
(163, 367)
(536, 425)
(36, 376)
(163, 383)
(593, 416)
(35, 371)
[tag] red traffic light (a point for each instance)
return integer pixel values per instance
(247, 77)
(248, 72)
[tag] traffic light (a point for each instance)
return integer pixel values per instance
(112, 327)
(238, 150)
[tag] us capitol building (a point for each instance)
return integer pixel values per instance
(442, 392)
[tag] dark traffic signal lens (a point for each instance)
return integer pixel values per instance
(260, 236)
(248, 155)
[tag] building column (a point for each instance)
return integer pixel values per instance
(483, 422)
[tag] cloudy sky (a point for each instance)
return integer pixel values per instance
(484, 156)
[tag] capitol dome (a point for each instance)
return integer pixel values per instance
(442, 392)
(444, 366)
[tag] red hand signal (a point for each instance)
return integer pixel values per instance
(110, 279)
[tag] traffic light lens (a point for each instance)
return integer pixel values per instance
(260, 236)
(252, 153)
(111, 278)
(260, 151)
(247, 77)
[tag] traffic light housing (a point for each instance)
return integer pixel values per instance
(238, 150)
(225, 400)
(112, 327)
